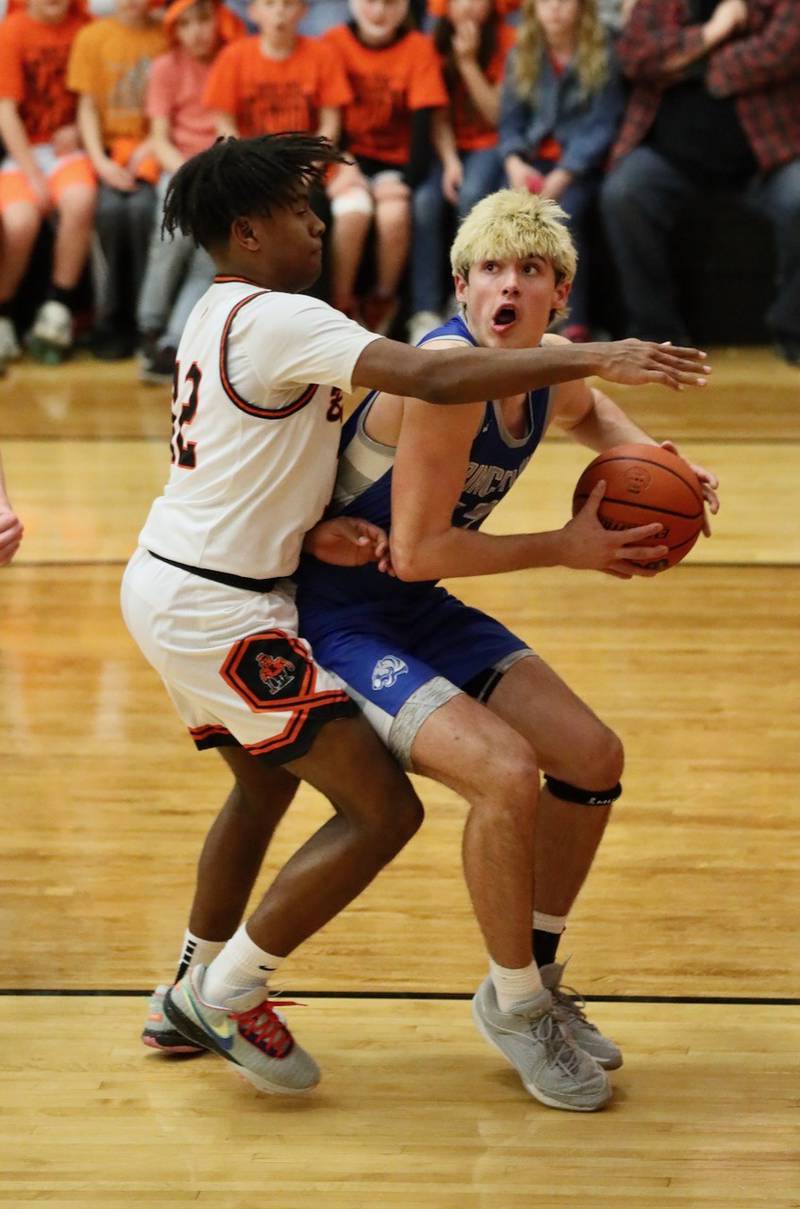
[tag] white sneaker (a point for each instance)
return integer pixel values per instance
(421, 323)
(9, 345)
(51, 334)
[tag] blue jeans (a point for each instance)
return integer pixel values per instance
(642, 201)
(483, 173)
(177, 275)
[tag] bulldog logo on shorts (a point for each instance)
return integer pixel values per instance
(386, 671)
(275, 671)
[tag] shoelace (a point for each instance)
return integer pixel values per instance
(571, 1004)
(559, 1047)
(262, 1026)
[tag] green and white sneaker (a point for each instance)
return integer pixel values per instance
(533, 1039)
(570, 1010)
(247, 1031)
(159, 1034)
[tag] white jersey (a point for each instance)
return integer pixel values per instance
(256, 419)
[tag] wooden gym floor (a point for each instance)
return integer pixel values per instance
(685, 936)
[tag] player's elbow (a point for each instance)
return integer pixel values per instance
(407, 563)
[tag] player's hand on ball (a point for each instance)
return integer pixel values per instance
(708, 482)
(588, 546)
(347, 541)
(637, 362)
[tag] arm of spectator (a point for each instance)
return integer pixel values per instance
(767, 57)
(484, 95)
(653, 46)
(89, 125)
(165, 151)
(12, 132)
(11, 529)
(444, 142)
(226, 126)
(596, 130)
(330, 124)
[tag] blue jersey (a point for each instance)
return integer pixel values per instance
(364, 489)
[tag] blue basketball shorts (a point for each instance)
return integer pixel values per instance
(402, 660)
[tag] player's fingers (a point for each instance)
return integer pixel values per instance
(640, 533)
(676, 353)
(618, 574)
(644, 554)
(594, 498)
(632, 568)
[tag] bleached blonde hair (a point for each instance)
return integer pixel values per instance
(515, 222)
(591, 50)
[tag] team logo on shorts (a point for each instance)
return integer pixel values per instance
(386, 671)
(274, 671)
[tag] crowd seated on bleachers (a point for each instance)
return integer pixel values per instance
(631, 115)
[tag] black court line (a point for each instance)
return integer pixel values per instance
(113, 993)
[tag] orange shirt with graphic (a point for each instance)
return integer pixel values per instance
(388, 83)
(267, 96)
(472, 131)
(111, 62)
(33, 72)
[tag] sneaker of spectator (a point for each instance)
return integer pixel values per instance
(159, 366)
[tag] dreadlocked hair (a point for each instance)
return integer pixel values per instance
(239, 177)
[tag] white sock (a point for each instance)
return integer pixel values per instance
(549, 923)
(196, 952)
(240, 967)
(512, 986)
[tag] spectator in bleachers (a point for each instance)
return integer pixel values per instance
(43, 172)
(562, 103)
(178, 273)
(322, 15)
(473, 44)
(108, 67)
(277, 79)
(715, 107)
(394, 74)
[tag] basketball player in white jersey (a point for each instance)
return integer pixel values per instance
(256, 415)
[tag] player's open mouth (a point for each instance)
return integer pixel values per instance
(503, 317)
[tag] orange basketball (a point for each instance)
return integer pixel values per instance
(645, 483)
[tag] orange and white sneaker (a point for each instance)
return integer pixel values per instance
(247, 1031)
(159, 1034)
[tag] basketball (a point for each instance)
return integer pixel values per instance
(645, 483)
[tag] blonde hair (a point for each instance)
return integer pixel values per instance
(591, 50)
(514, 222)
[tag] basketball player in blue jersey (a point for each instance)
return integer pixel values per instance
(455, 695)
(256, 423)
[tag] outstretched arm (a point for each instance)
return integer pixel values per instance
(460, 375)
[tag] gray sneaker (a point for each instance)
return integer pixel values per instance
(570, 1010)
(532, 1038)
(247, 1032)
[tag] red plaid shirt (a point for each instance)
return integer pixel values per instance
(760, 67)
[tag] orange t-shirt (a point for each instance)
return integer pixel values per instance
(266, 96)
(111, 62)
(472, 131)
(388, 83)
(33, 72)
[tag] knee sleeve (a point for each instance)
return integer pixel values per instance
(354, 201)
(583, 797)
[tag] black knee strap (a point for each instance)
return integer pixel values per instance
(584, 797)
